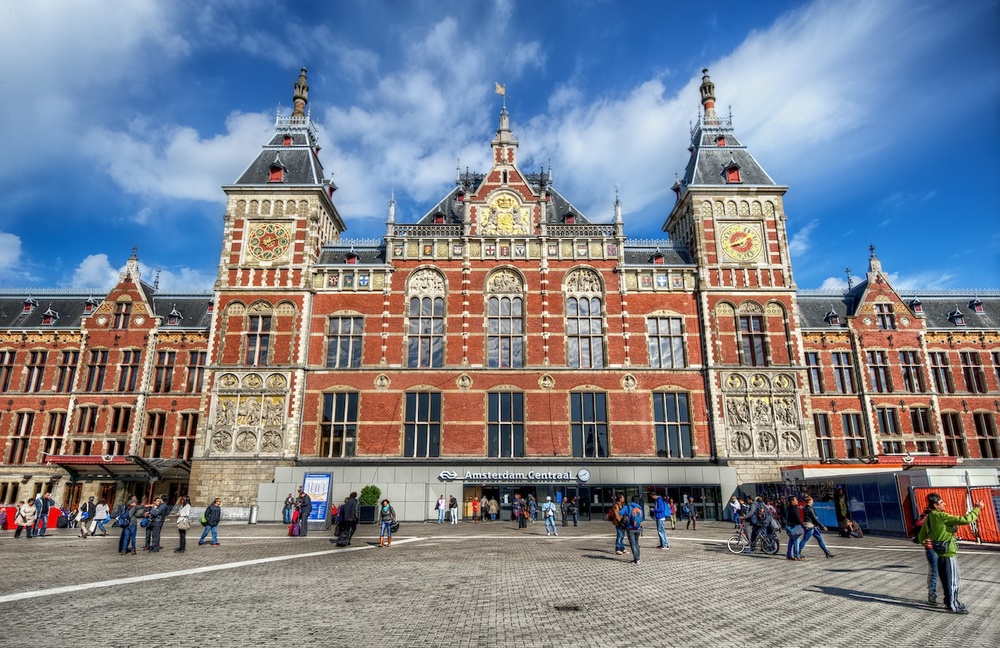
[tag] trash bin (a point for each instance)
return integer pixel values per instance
(253, 514)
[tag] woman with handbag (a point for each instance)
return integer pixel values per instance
(25, 517)
(794, 529)
(183, 522)
(387, 516)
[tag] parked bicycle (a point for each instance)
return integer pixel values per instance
(767, 541)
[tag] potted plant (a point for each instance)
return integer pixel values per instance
(368, 502)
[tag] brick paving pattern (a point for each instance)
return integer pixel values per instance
(486, 585)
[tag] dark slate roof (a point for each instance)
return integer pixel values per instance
(707, 161)
(368, 254)
(937, 307)
(71, 307)
(642, 254)
(452, 209)
(300, 160)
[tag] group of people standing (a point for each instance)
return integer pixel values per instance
(132, 515)
(32, 516)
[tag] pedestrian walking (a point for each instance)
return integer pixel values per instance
(813, 527)
(574, 510)
(661, 512)
(631, 517)
(494, 509)
(102, 515)
(549, 515)
(128, 522)
(690, 511)
(85, 514)
(673, 513)
(614, 516)
(735, 507)
(484, 507)
(183, 522)
(387, 516)
(453, 508)
(519, 509)
(532, 508)
(793, 527)
(25, 518)
(211, 519)
(43, 504)
(938, 531)
(442, 505)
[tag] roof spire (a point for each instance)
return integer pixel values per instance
(708, 97)
(392, 207)
(874, 265)
(618, 207)
(300, 96)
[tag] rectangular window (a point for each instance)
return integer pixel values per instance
(913, 376)
(67, 371)
(338, 431)
(815, 373)
(920, 419)
(878, 372)
(258, 340)
(152, 442)
(888, 421)
(986, 430)
(20, 437)
(589, 424)
(941, 372)
(972, 371)
(6, 369)
(585, 332)
(163, 378)
(129, 369)
(665, 337)
(82, 447)
(186, 436)
(672, 425)
(752, 339)
(86, 422)
(824, 439)
(505, 424)
(123, 312)
(954, 434)
(996, 366)
(425, 336)
(343, 342)
(505, 332)
(36, 371)
(854, 436)
(54, 433)
(196, 372)
(843, 372)
(121, 421)
(422, 425)
(115, 447)
(885, 317)
(96, 369)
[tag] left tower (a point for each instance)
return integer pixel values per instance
(279, 212)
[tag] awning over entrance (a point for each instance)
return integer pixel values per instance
(126, 468)
(884, 464)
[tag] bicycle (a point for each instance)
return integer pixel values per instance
(767, 542)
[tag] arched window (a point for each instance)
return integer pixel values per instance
(584, 320)
(425, 334)
(505, 320)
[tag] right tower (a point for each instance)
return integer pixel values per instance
(729, 213)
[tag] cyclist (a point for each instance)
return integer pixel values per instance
(760, 517)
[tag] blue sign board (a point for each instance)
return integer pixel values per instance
(317, 487)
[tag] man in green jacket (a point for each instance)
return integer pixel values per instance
(938, 533)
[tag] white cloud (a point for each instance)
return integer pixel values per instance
(96, 272)
(10, 251)
(834, 284)
(799, 243)
(923, 281)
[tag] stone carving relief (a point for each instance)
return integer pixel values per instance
(546, 382)
(583, 280)
(249, 414)
(505, 281)
(427, 282)
(761, 414)
(629, 382)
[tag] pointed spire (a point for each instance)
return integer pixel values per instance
(392, 207)
(708, 97)
(874, 265)
(618, 207)
(301, 96)
(458, 171)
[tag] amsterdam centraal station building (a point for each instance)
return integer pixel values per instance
(501, 342)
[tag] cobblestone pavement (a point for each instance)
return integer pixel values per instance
(483, 585)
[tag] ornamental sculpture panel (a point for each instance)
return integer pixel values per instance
(426, 282)
(761, 415)
(583, 280)
(249, 414)
(505, 281)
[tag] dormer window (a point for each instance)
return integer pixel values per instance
(287, 140)
(351, 258)
(569, 219)
(732, 172)
(976, 306)
(89, 306)
(29, 305)
(174, 318)
(720, 140)
(832, 319)
(918, 308)
(439, 218)
(49, 316)
(277, 174)
(956, 317)
(211, 307)
(658, 258)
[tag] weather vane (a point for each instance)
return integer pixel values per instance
(502, 90)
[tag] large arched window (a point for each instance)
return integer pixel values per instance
(425, 336)
(505, 320)
(584, 320)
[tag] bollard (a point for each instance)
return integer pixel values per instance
(253, 514)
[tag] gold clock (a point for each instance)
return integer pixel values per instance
(742, 242)
(268, 241)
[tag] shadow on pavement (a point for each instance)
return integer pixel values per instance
(869, 597)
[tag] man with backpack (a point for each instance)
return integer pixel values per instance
(615, 518)
(631, 523)
(760, 518)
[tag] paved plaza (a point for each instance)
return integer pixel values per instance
(483, 585)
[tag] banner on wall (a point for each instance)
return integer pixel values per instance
(317, 487)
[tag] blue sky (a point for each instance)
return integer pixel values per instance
(122, 120)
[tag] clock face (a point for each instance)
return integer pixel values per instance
(741, 242)
(268, 241)
(583, 475)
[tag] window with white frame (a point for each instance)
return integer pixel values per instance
(584, 319)
(343, 342)
(665, 336)
(505, 424)
(338, 429)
